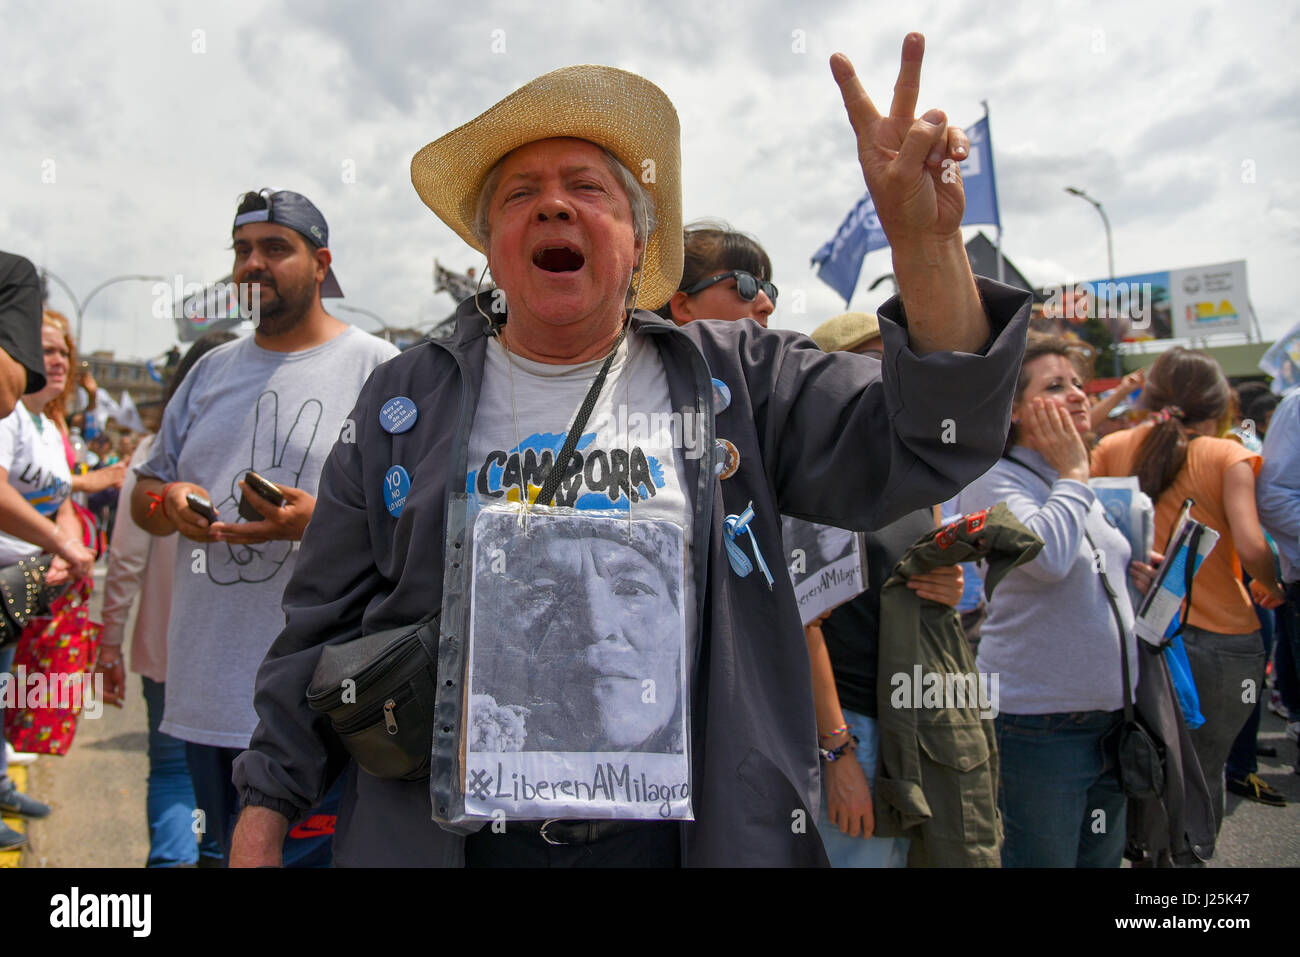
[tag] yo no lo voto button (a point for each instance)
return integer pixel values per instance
(397, 486)
(398, 415)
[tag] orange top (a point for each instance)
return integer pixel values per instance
(1220, 603)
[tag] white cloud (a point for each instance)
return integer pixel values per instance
(1152, 108)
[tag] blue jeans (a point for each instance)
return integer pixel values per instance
(309, 844)
(1242, 759)
(845, 851)
(1221, 666)
(1287, 653)
(170, 801)
(1060, 797)
(6, 664)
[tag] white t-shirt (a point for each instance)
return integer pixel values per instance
(633, 437)
(278, 413)
(38, 467)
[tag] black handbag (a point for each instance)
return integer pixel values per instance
(378, 693)
(23, 594)
(1140, 754)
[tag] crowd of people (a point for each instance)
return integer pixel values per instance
(393, 607)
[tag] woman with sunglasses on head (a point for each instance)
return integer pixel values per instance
(725, 275)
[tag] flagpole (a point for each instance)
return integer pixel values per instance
(988, 133)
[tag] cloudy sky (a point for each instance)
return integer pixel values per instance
(131, 129)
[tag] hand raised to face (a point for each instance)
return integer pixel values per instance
(1048, 428)
(905, 160)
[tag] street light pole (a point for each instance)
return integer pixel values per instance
(80, 307)
(1110, 270)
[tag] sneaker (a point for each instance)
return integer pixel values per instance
(1254, 788)
(11, 839)
(13, 801)
(1293, 730)
(15, 758)
(1276, 706)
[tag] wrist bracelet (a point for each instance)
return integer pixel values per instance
(834, 754)
(159, 500)
(842, 729)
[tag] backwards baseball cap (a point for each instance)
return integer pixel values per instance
(286, 208)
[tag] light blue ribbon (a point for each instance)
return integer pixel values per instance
(736, 525)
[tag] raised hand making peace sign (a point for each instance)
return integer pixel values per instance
(910, 166)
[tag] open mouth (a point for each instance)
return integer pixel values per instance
(558, 259)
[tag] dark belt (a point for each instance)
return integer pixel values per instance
(579, 832)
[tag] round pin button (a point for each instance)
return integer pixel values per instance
(398, 415)
(726, 458)
(397, 485)
(721, 396)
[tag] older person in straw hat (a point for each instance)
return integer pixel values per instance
(571, 186)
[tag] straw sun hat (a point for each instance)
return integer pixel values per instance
(846, 331)
(623, 112)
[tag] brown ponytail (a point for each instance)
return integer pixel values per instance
(1183, 386)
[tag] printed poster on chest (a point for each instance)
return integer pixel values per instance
(576, 668)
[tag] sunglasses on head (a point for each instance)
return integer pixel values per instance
(747, 286)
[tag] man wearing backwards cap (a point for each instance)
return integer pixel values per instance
(273, 403)
(571, 185)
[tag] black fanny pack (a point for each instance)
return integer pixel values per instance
(378, 692)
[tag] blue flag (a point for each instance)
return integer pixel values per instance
(977, 178)
(840, 260)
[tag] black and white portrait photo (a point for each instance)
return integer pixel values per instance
(577, 649)
(825, 565)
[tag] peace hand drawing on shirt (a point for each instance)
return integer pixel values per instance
(254, 551)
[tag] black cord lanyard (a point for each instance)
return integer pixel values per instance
(557, 474)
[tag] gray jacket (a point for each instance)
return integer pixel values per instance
(823, 437)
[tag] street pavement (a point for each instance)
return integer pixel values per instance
(97, 792)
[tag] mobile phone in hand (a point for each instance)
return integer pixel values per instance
(268, 490)
(201, 505)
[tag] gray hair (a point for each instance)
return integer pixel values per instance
(642, 203)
